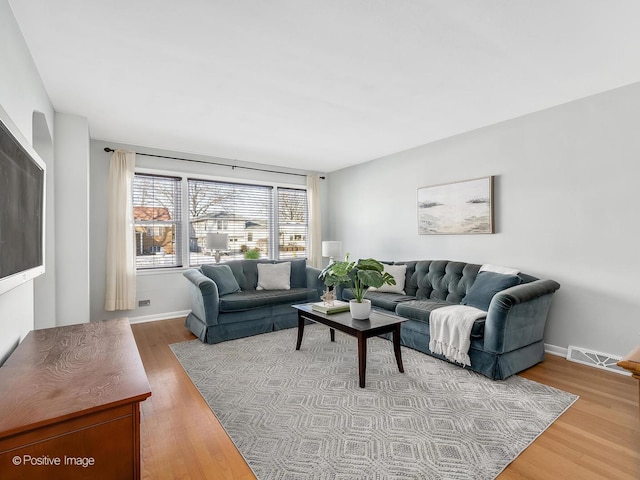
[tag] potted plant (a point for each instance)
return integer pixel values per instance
(252, 254)
(358, 276)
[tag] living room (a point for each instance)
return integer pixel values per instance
(564, 198)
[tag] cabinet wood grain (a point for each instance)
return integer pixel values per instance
(69, 404)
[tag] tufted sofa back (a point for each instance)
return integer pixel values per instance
(443, 279)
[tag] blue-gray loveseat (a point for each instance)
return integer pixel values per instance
(507, 341)
(227, 302)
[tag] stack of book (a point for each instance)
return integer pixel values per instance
(338, 306)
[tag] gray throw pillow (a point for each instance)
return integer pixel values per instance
(486, 285)
(299, 273)
(223, 276)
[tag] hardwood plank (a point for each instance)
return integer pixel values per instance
(180, 436)
(597, 438)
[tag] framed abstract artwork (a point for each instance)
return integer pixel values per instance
(456, 208)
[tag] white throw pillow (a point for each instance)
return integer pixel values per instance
(398, 272)
(498, 269)
(274, 276)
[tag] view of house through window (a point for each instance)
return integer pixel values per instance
(244, 212)
(157, 217)
(259, 221)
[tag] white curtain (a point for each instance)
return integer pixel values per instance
(121, 261)
(315, 225)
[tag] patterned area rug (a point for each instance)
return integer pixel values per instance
(301, 415)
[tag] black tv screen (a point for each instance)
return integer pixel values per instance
(22, 186)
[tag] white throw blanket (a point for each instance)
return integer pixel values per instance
(450, 330)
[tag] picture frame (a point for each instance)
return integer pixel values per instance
(458, 208)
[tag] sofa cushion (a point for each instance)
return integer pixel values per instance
(223, 276)
(388, 301)
(419, 310)
(246, 272)
(274, 276)
(250, 299)
(410, 287)
(299, 273)
(486, 285)
(398, 272)
(237, 267)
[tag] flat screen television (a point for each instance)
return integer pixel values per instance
(22, 204)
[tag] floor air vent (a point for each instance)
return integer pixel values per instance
(600, 360)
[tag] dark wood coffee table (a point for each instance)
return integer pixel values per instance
(377, 324)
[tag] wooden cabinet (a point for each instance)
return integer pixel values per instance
(70, 404)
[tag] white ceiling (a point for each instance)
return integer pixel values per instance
(323, 84)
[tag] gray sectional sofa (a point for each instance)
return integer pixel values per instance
(507, 341)
(228, 302)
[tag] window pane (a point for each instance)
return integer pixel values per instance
(241, 211)
(293, 223)
(157, 218)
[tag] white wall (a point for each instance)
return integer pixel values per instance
(21, 93)
(72, 211)
(21, 89)
(166, 289)
(567, 203)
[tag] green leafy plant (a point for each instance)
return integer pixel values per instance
(252, 254)
(358, 276)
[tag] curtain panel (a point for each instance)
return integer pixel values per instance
(121, 263)
(315, 225)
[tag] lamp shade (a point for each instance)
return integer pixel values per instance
(331, 248)
(217, 241)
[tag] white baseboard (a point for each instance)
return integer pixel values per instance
(555, 350)
(159, 316)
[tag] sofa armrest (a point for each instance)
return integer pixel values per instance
(517, 316)
(314, 280)
(205, 300)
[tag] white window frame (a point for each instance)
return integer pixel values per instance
(185, 223)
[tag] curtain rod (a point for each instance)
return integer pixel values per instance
(233, 167)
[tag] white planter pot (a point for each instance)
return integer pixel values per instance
(360, 311)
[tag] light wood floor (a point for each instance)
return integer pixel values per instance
(597, 438)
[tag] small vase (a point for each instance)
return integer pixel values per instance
(360, 311)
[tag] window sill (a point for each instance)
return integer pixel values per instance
(160, 271)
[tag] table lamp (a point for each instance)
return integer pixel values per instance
(331, 249)
(217, 242)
